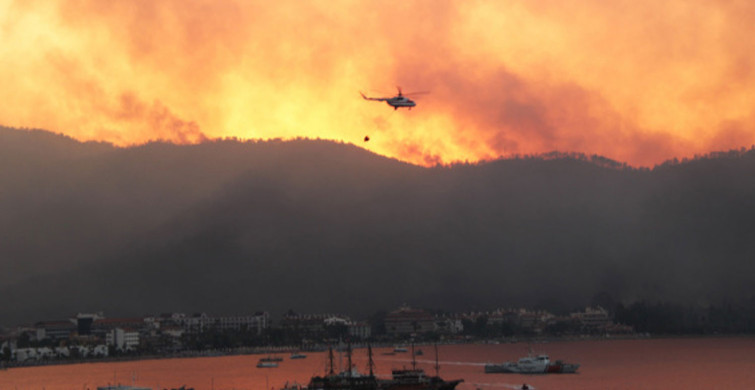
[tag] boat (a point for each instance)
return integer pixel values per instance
(352, 379)
(415, 378)
(531, 364)
(272, 359)
(122, 387)
(400, 349)
(559, 367)
(267, 363)
(526, 365)
(298, 355)
(293, 386)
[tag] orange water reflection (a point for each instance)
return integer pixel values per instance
(714, 363)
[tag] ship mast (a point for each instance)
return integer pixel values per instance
(330, 359)
(437, 366)
(414, 357)
(370, 362)
(348, 355)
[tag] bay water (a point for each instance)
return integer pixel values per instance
(663, 364)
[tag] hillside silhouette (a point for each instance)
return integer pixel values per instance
(318, 226)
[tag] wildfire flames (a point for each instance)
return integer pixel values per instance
(639, 82)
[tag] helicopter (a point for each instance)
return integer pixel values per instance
(397, 101)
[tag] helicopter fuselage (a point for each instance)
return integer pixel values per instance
(400, 101)
(397, 101)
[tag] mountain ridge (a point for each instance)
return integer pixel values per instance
(163, 227)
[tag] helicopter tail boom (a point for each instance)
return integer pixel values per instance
(371, 98)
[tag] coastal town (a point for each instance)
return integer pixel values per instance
(91, 336)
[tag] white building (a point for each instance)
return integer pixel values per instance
(24, 354)
(360, 330)
(199, 323)
(256, 322)
(82, 350)
(45, 353)
(196, 323)
(449, 325)
(407, 320)
(173, 332)
(123, 339)
(62, 352)
(596, 318)
(100, 350)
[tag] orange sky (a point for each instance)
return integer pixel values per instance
(635, 81)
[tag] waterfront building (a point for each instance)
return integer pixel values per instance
(595, 318)
(201, 322)
(503, 316)
(534, 321)
(360, 330)
(407, 320)
(24, 354)
(123, 339)
(311, 324)
(449, 326)
(108, 324)
(256, 322)
(84, 322)
(62, 352)
(55, 330)
(174, 332)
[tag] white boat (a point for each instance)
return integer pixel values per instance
(400, 349)
(559, 367)
(298, 356)
(266, 364)
(526, 365)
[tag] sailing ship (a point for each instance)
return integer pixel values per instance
(416, 379)
(401, 379)
(349, 379)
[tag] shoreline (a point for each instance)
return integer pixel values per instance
(290, 349)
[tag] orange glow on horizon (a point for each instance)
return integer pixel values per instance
(638, 82)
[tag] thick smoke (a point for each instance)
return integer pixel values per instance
(227, 227)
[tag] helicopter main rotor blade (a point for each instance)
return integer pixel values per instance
(416, 93)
